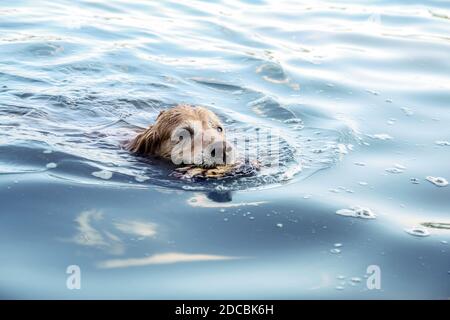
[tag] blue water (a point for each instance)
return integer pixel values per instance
(359, 94)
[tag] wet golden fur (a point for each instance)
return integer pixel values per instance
(156, 139)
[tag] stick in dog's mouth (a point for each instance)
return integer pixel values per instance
(218, 172)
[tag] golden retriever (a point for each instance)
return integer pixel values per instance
(186, 135)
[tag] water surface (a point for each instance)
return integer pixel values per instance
(358, 94)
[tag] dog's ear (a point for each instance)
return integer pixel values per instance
(146, 142)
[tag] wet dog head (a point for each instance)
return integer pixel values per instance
(186, 135)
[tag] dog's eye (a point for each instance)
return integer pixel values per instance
(219, 129)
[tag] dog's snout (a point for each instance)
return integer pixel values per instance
(216, 149)
(221, 149)
(216, 153)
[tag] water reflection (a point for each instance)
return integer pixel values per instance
(94, 231)
(92, 236)
(164, 258)
(220, 196)
(218, 200)
(138, 228)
